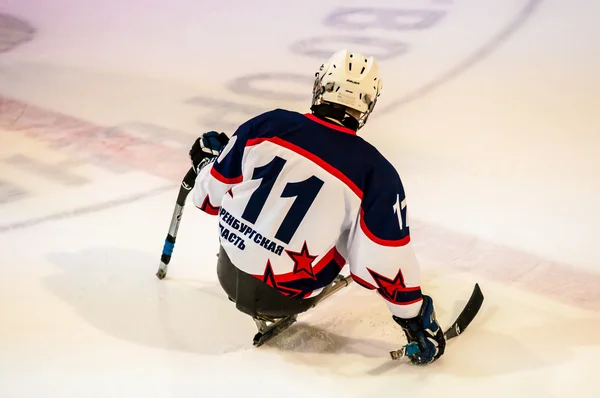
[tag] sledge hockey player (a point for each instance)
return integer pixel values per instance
(299, 195)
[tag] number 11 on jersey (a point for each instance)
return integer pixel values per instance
(398, 209)
(305, 193)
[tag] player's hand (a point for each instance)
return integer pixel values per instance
(206, 148)
(425, 331)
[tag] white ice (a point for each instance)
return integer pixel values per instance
(490, 115)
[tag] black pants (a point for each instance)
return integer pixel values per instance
(254, 297)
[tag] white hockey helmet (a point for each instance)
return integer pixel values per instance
(350, 79)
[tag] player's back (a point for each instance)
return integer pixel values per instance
(288, 215)
(297, 195)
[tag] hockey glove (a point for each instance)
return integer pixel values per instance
(206, 148)
(425, 331)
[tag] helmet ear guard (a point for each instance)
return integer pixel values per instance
(371, 105)
(317, 89)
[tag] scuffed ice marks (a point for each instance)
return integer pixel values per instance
(14, 32)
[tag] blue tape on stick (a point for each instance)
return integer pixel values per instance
(168, 248)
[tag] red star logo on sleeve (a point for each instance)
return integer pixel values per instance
(303, 261)
(395, 290)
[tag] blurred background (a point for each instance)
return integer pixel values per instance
(488, 111)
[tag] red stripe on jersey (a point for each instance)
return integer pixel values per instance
(330, 125)
(224, 179)
(383, 242)
(312, 157)
(208, 208)
(339, 259)
(362, 282)
(332, 254)
(401, 303)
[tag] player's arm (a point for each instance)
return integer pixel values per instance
(218, 163)
(381, 254)
(382, 258)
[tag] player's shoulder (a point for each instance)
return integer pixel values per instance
(381, 177)
(380, 162)
(268, 122)
(276, 115)
(372, 160)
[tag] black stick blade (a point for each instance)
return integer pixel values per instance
(467, 315)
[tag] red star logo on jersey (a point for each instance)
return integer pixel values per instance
(389, 288)
(269, 279)
(302, 261)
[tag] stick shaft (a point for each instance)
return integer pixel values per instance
(186, 186)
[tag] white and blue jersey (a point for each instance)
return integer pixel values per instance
(297, 197)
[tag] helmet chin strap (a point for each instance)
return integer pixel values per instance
(337, 113)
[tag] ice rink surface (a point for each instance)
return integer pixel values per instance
(489, 112)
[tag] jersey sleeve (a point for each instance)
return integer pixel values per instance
(217, 178)
(381, 256)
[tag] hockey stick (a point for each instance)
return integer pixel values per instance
(458, 327)
(186, 186)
